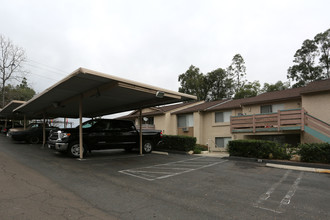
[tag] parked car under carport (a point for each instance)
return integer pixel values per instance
(33, 135)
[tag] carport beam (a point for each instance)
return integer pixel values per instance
(80, 129)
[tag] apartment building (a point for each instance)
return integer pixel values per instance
(298, 115)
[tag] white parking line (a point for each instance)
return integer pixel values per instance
(279, 205)
(286, 200)
(157, 172)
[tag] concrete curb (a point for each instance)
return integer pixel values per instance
(159, 152)
(307, 169)
(301, 166)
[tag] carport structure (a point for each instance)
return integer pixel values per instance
(87, 93)
(8, 114)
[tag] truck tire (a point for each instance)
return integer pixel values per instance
(147, 147)
(74, 150)
(34, 140)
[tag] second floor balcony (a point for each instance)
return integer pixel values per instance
(283, 120)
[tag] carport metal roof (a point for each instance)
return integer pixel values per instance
(7, 111)
(100, 94)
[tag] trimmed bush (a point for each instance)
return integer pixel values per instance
(177, 142)
(257, 149)
(199, 148)
(315, 152)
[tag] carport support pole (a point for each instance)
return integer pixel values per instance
(6, 122)
(24, 122)
(140, 124)
(44, 131)
(80, 129)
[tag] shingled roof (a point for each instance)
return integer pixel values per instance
(161, 110)
(275, 96)
(317, 86)
(230, 104)
(200, 107)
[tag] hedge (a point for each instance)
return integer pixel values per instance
(178, 143)
(315, 152)
(257, 149)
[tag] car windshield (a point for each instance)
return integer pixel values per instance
(87, 124)
(33, 125)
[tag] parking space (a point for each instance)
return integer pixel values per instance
(166, 170)
(279, 195)
(153, 186)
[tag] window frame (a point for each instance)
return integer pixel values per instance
(187, 124)
(225, 116)
(225, 142)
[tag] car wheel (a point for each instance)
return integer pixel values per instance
(147, 147)
(34, 140)
(74, 150)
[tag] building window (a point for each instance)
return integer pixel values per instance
(266, 109)
(148, 120)
(277, 107)
(221, 142)
(185, 121)
(271, 108)
(222, 117)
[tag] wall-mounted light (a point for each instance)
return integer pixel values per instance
(160, 94)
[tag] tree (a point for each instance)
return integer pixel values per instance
(194, 83)
(307, 67)
(219, 85)
(323, 42)
(250, 89)
(11, 63)
(237, 71)
(278, 86)
(20, 92)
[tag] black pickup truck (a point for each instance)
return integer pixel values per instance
(100, 134)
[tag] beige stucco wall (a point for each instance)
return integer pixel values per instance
(211, 130)
(168, 121)
(318, 105)
(158, 121)
(255, 109)
(198, 126)
(307, 138)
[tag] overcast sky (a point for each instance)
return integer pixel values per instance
(155, 41)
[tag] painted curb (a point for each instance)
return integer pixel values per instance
(159, 152)
(307, 169)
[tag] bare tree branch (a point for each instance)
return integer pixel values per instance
(11, 63)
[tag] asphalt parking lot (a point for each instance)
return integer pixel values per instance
(115, 184)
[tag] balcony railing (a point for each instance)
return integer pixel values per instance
(282, 120)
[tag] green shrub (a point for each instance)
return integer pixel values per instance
(199, 148)
(257, 149)
(315, 152)
(177, 142)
